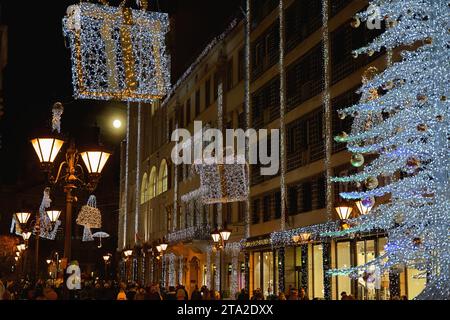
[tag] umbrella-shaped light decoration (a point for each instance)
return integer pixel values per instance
(100, 235)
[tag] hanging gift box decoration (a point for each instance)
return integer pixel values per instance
(117, 53)
(90, 216)
(223, 181)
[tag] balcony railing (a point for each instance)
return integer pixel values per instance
(198, 232)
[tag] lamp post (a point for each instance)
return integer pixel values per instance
(70, 173)
(106, 260)
(220, 237)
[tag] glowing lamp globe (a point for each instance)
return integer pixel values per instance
(16, 258)
(158, 247)
(23, 217)
(22, 246)
(215, 235)
(95, 160)
(17, 253)
(225, 234)
(164, 246)
(26, 236)
(53, 215)
(106, 258)
(305, 236)
(47, 148)
(344, 212)
(48, 261)
(363, 209)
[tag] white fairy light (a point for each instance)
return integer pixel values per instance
(411, 143)
(208, 267)
(138, 170)
(327, 110)
(282, 118)
(247, 110)
(117, 53)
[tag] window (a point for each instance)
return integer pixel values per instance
(229, 74)
(188, 112)
(260, 10)
(302, 19)
(266, 103)
(317, 271)
(241, 211)
(266, 208)
(163, 177)
(255, 212)
(345, 100)
(207, 93)
(152, 183)
(307, 199)
(305, 78)
(241, 65)
(181, 117)
(265, 51)
(338, 5)
(343, 261)
(144, 189)
(197, 103)
(293, 198)
(216, 85)
(342, 42)
(277, 208)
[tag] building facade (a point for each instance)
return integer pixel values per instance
(321, 77)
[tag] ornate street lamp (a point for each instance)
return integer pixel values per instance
(70, 172)
(53, 215)
(164, 245)
(215, 235)
(23, 217)
(26, 236)
(48, 261)
(47, 148)
(344, 211)
(225, 233)
(362, 208)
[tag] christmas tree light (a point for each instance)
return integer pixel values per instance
(403, 119)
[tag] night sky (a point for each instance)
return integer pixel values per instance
(38, 74)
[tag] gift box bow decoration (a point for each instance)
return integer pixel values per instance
(118, 53)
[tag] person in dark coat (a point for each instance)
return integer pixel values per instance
(196, 295)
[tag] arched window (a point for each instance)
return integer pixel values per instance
(144, 191)
(152, 185)
(163, 177)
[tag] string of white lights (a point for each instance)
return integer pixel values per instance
(327, 109)
(117, 53)
(411, 143)
(282, 117)
(138, 171)
(247, 111)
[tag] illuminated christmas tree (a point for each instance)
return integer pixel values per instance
(403, 122)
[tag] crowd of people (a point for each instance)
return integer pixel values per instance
(113, 290)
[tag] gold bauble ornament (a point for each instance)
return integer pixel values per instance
(371, 183)
(369, 74)
(422, 127)
(422, 97)
(341, 115)
(412, 163)
(342, 137)
(439, 118)
(355, 22)
(443, 98)
(417, 241)
(428, 40)
(389, 85)
(357, 160)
